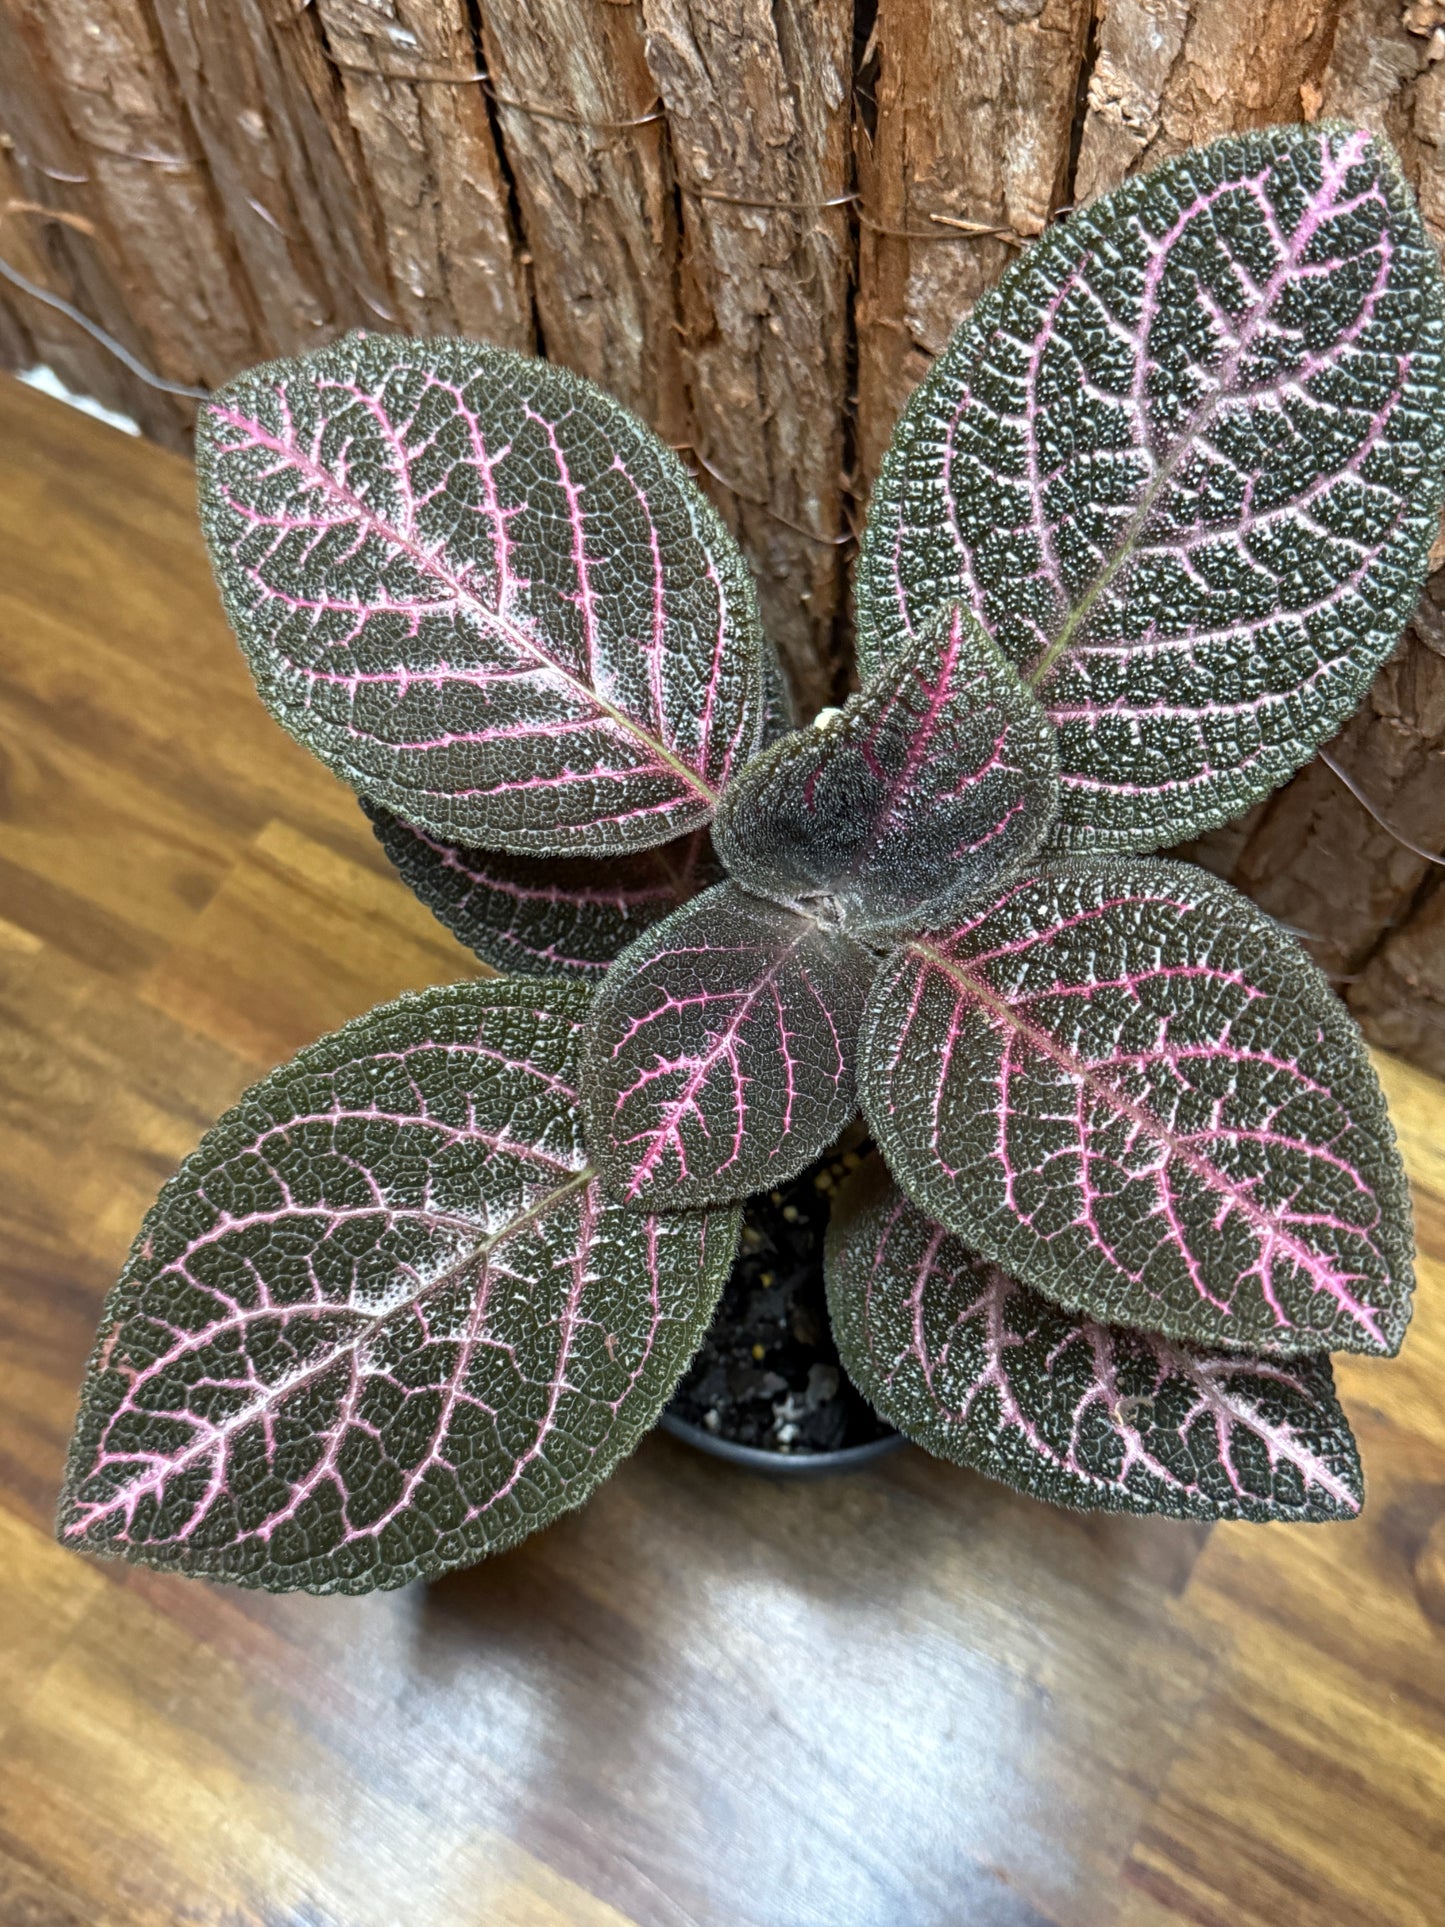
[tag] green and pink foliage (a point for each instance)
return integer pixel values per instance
(1143, 536)
(1184, 464)
(385, 1319)
(983, 1371)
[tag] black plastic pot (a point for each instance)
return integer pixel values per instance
(767, 1389)
(782, 1465)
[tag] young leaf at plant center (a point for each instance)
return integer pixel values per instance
(719, 1053)
(384, 1320)
(1185, 463)
(545, 916)
(483, 593)
(976, 1368)
(934, 781)
(1123, 1083)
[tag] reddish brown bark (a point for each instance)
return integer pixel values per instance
(759, 111)
(594, 191)
(420, 122)
(1400, 998)
(149, 185)
(43, 167)
(1313, 855)
(269, 114)
(966, 116)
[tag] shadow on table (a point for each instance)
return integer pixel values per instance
(895, 1693)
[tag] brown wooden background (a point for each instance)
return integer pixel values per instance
(753, 220)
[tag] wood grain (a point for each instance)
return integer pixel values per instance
(902, 1699)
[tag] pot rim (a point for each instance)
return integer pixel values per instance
(787, 1465)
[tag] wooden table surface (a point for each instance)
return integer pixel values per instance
(901, 1699)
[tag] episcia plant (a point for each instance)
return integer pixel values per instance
(1142, 537)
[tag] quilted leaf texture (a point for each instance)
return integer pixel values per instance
(545, 916)
(976, 1368)
(1121, 1082)
(719, 1053)
(384, 1320)
(482, 592)
(1185, 463)
(934, 781)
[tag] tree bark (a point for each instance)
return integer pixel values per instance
(408, 75)
(1400, 997)
(1313, 855)
(270, 108)
(576, 106)
(76, 256)
(183, 283)
(1169, 74)
(965, 113)
(758, 107)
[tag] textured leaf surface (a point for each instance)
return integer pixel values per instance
(1123, 1083)
(937, 778)
(482, 592)
(545, 916)
(978, 1369)
(1185, 462)
(720, 1051)
(384, 1320)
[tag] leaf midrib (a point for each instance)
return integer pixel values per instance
(677, 1108)
(477, 1254)
(463, 592)
(1216, 1180)
(1168, 468)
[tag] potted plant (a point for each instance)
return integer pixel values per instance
(1141, 540)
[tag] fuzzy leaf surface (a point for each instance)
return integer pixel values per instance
(482, 592)
(978, 1369)
(1122, 1083)
(720, 1051)
(1185, 464)
(545, 916)
(937, 778)
(384, 1320)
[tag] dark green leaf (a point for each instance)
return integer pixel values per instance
(1185, 463)
(1123, 1083)
(482, 592)
(384, 1319)
(545, 916)
(938, 777)
(977, 1368)
(720, 1051)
